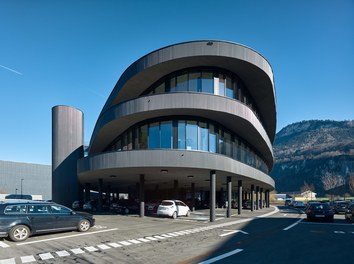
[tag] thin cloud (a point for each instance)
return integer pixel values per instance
(10, 70)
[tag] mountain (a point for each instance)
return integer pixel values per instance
(315, 153)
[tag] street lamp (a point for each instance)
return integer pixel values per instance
(16, 190)
(21, 187)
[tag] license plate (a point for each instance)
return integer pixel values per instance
(319, 216)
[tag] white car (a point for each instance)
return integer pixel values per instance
(173, 208)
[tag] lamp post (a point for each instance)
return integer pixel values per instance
(16, 190)
(21, 187)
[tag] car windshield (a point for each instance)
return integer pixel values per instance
(320, 206)
(166, 203)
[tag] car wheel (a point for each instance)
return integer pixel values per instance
(84, 225)
(188, 213)
(174, 215)
(19, 233)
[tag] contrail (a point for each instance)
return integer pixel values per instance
(10, 69)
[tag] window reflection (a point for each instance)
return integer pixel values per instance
(194, 135)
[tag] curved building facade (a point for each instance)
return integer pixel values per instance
(192, 117)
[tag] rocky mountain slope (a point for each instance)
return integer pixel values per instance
(317, 153)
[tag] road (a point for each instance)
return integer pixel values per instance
(270, 235)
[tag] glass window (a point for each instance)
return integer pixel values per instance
(160, 88)
(166, 134)
(15, 209)
(229, 88)
(154, 139)
(228, 144)
(182, 83)
(219, 85)
(143, 137)
(130, 140)
(172, 87)
(207, 82)
(136, 138)
(236, 90)
(57, 209)
(212, 138)
(192, 135)
(124, 141)
(181, 131)
(203, 136)
(194, 82)
(38, 209)
(220, 139)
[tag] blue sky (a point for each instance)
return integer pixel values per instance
(73, 52)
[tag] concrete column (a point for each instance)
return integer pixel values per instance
(257, 198)
(175, 189)
(87, 192)
(267, 198)
(141, 195)
(100, 188)
(239, 202)
(229, 192)
(193, 196)
(261, 196)
(212, 195)
(252, 197)
(67, 148)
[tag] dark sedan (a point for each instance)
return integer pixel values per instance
(318, 211)
(21, 218)
(349, 214)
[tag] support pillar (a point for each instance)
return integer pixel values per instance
(267, 198)
(239, 202)
(229, 192)
(252, 198)
(87, 192)
(141, 195)
(100, 189)
(193, 195)
(175, 189)
(212, 195)
(257, 198)
(261, 196)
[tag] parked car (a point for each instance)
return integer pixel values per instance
(318, 211)
(287, 202)
(76, 205)
(151, 207)
(173, 208)
(247, 204)
(349, 214)
(340, 207)
(299, 204)
(91, 205)
(20, 219)
(124, 206)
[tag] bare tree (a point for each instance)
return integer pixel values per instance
(331, 182)
(307, 187)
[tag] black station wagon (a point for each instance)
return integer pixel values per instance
(20, 219)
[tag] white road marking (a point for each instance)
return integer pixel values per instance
(77, 251)
(276, 210)
(339, 232)
(160, 237)
(115, 245)
(125, 243)
(291, 226)
(164, 235)
(46, 256)
(143, 240)
(103, 246)
(91, 249)
(151, 238)
(172, 234)
(134, 241)
(65, 237)
(8, 261)
(63, 253)
(4, 245)
(228, 254)
(28, 259)
(285, 214)
(233, 232)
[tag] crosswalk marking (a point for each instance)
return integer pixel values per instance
(46, 256)
(115, 245)
(124, 243)
(91, 249)
(8, 261)
(151, 238)
(103, 246)
(4, 245)
(63, 253)
(160, 237)
(28, 259)
(77, 251)
(134, 241)
(143, 240)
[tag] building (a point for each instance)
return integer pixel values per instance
(25, 179)
(192, 118)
